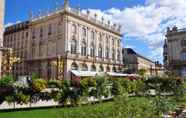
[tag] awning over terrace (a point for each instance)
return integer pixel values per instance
(91, 74)
(121, 74)
(84, 73)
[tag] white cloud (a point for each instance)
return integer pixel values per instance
(130, 46)
(10, 23)
(148, 22)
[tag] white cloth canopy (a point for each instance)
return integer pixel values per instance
(121, 74)
(84, 73)
(93, 73)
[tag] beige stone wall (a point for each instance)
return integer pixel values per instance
(47, 46)
(1, 28)
(175, 48)
(147, 65)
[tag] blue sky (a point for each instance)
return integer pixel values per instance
(18, 9)
(144, 22)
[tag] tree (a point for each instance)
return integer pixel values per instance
(142, 72)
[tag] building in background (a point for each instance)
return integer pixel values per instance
(2, 11)
(16, 38)
(63, 43)
(134, 62)
(175, 51)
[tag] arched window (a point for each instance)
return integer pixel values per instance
(100, 51)
(74, 29)
(83, 49)
(84, 32)
(107, 53)
(84, 67)
(74, 66)
(108, 69)
(93, 67)
(73, 46)
(101, 69)
(92, 50)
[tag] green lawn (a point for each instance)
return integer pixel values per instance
(110, 109)
(59, 112)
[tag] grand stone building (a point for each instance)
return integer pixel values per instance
(53, 45)
(175, 51)
(2, 2)
(134, 62)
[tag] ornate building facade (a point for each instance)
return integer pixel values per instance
(66, 40)
(175, 51)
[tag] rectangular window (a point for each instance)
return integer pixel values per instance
(41, 32)
(33, 34)
(49, 29)
(183, 42)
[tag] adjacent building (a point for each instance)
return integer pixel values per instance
(16, 37)
(134, 62)
(2, 2)
(175, 51)
(53, 45)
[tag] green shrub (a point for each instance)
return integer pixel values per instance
(6, 80)
(55, 84)
(128, 107)
(142, 72)
(166, 84)
(117, 88)
(56, 95)
(10, 99)
(102, 86)
(38, 85)
(34, 76)
(184, 84)
(161, 105)
(22, 99)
